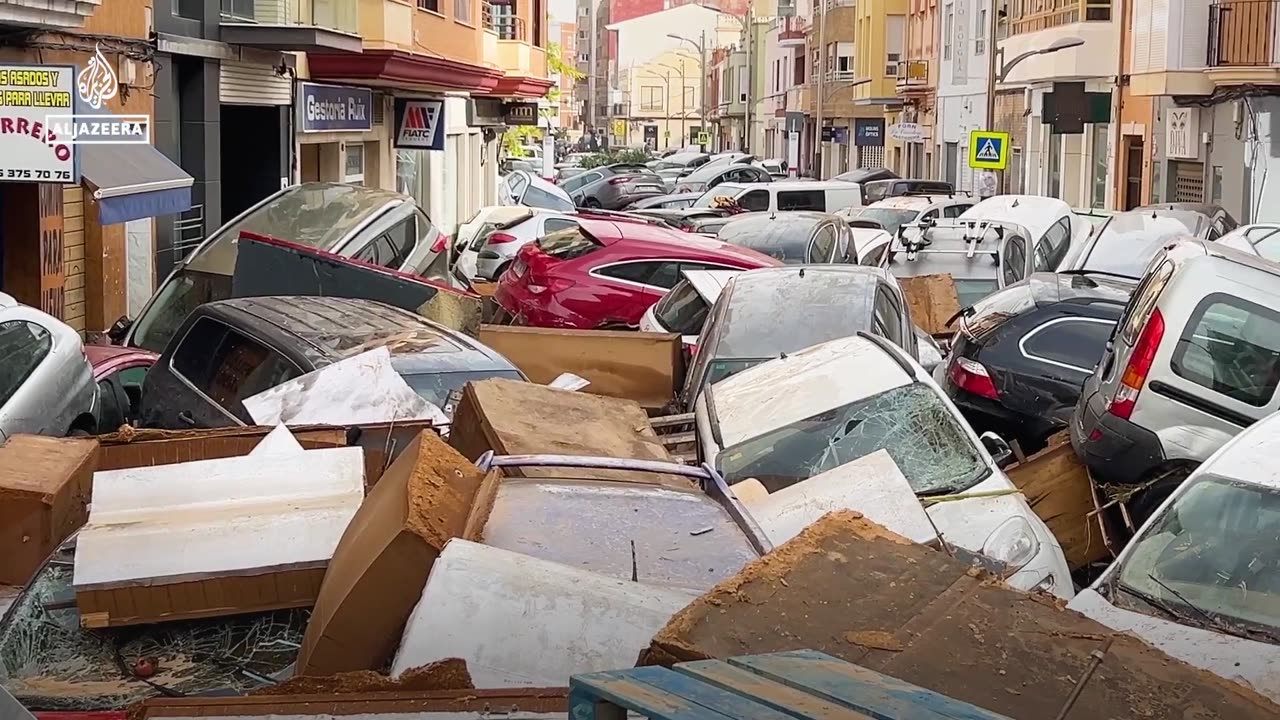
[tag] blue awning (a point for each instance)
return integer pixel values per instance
(132, 182)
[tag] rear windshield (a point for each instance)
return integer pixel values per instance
(975, 277)
(996, 309)
(568, 244)
(889, 218)
(1126, 243)
(539, 198)
(779, 238)
(682, 310)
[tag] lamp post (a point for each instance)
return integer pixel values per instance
(666, 120)
(683, 105)
(701, 47)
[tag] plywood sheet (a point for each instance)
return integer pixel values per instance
(932, 300)
(645, 367)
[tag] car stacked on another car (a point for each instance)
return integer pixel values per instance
(607, 273)
(626, 184)
(684, 310)
(895, 212)
(709, 176)
(1124, 243)
(46, 382)
(793, 238)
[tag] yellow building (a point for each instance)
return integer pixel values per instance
(663, 98)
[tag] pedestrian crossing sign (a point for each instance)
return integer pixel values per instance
(988, 150)
(704, 138)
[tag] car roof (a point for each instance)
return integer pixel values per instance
(334, 328)
(1050, 288)
(907, 202)
(1036, 213)
(1250, 456)
(659, 239)
(785, 309)
(800, 385)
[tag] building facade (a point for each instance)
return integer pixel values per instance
(663, 99)
(910, 130)
(849, 98)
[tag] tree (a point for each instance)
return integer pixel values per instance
(557, 65)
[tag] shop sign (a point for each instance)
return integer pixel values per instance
(907, 132)
(30, 150)
(419, 123)
(520, 113)
(331, 108)
(1180, 134)
(868, 132)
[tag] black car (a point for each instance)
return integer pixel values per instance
(1022, 353)
(862, 175)
(795, 238)
(1124, 243)
(230, 350)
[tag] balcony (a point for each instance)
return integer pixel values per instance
(1046, 14)
(293, 25)
(1244, 43)
(913, 76)
(793, 32)
(50, 14)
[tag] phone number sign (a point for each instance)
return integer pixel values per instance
(30, 151)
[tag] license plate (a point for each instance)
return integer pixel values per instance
(519, 267)
(649, 188)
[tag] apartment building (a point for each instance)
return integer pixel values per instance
(786, 95)
(910, 131)
(962, 86)
(567, 111)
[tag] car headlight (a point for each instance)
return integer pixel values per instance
(1014, 543)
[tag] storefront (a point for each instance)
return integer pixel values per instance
(342, 136)
(443, 160)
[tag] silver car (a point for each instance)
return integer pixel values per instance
(486, 244)
(46, 383)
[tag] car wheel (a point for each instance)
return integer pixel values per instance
(1162, 484)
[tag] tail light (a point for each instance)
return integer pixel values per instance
(1135, 374)
(442, 242)
(501, 238)
(619, 180)
(972, 377)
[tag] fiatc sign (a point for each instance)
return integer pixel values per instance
(419, 124)
(30, 97)
(330, 108)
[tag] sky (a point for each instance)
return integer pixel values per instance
(562, 10)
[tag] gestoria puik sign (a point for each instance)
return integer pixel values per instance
(30, 150)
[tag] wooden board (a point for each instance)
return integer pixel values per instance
(801, 684)
(1056, 485)
(932, 300)
(645, 367)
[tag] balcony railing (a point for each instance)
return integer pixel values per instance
(1033, 15)
(340, 15)
(501, 20)
(1243, 33)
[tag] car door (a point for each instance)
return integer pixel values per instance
(1056, 244)
(754, 200)
(822, 247)
(630, 287)
(205, 378)
(887, 317)
(577, 182)
(120, 396)
(1053, 358)
(28, 378)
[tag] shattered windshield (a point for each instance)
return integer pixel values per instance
(1213, 558)
(910, 422)
(48, 662)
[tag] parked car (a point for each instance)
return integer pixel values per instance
(1194, 360)
(577, 182)
(618, 191)
(1019, 356)
(674, 201)
(826, 196)
(568, 171)
(785, 421)
(353, 221)
(1056, 232)
(1124, 243)
(494, 243)
(793, 238)
(980, 257)
(119, 373)
(684, 309)
(710, 176)
(525, 188)
(1199, 579)
(776, 167)
(474, 230)
(1261, 239)
(46, 383)
(606, 274)
(766, 313)
(877, 190)
(685, 219)
(510, 165)
(230, 350)
(894, 212)
(862, 175)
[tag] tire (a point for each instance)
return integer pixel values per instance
(1163, 482)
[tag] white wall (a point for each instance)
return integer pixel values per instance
(1096, 58)
(644, 38)
(1264, 167)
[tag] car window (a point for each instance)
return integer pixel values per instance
(635, 272)
(228, 366)
(886, 318)
(1071, 343)
(1232, 347)
(824, 245)
(1040, 261)
(954, 211)
(931, 216)
(23, 346)
(1269, 246)
(1058, 239)
(516, 183)
(539, 198)
(379, 252)
(402, 237)
(754, 201)
(580, 181)
(111, 407)
(1015, 260)
(682, 310)
(555, 224)
(802, 200)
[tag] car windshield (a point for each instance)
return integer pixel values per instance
(718, 370)
(178, 298)
(1127, 242)
(48, 662)
(1212, 552)
(435, 387)
(910, 422)
(682, 310)
(890, 218)
(539, 198)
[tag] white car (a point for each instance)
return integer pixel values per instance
(684, 309)
(1200, 579)
(1057, 233)
(46, 383)
(521, 187)
(1261, 239)
(790, 419)
(487, 243)
(892, 213)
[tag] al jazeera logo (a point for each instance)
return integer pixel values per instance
(96, 84)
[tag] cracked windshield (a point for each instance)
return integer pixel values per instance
(1213, 559)
(910, 422)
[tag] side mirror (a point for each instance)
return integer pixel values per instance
(119, 329)
(1000, 451)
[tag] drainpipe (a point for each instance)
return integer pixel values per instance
(1117, 106)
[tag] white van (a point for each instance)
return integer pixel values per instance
(824, 196)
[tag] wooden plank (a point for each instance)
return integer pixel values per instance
(1057, 488)
(864, 690)
(669, 420)
(932, 300)
(704, 694)
(780, 697)
(586, 693)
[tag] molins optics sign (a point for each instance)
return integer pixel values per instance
(419, 124)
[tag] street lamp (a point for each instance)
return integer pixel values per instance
(701, 47)
(683, 107)
(998, 69)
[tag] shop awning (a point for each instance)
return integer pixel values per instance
(132, 182)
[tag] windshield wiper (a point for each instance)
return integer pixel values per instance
(1151, 600)
(1107, 273)
(1212, 620)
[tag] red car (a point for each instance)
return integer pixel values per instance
(603, 274)
(119, 372)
